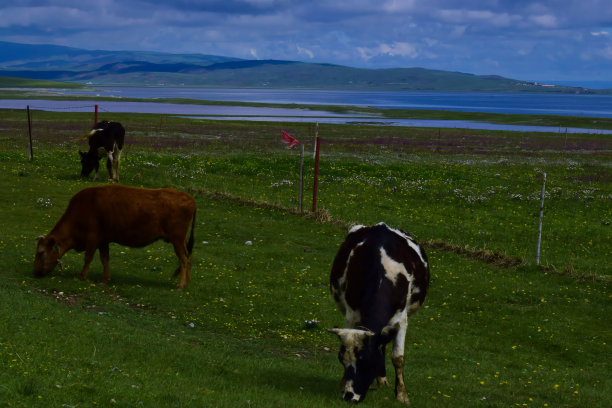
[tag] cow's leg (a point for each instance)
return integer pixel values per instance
(104, 257)
(89, 254)
(97, 169)
(382, 376)
(184, 269)
(397, 358)
(109, 166)
(116, 159)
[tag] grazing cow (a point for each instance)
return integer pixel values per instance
(379, 277)
(105, 140)
(130, 216)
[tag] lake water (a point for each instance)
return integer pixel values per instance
(157, 107)
(540, 104)
(544, 104)
(457, 124)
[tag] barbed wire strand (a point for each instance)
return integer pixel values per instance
(64, 108)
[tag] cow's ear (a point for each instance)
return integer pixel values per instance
(354, 337)
(343, 334)
(82, 153)
(50, 244)
(388, 333)
(335, 330)
(39, 243)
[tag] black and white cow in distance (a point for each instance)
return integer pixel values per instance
(105, 140)
(379, 277)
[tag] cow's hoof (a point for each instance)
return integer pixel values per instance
(403, 398)
(382, 381)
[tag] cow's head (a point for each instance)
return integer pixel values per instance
(47, 256)
(362, 355)
(88, 163)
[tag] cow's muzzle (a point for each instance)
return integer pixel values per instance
(351, 397)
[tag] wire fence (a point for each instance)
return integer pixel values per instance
(467, 195)
(73, 108)
(79, 108)
(63, 108)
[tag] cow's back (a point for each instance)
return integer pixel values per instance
(364, 272)
(133, 216)
(105, 134)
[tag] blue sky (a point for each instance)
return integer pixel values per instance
(548, 40)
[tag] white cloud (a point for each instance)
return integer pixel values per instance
(301, 51)
(606, 52)
(599, 33)
(597, 54)
(478, 17)
(430, 41)
(545, 20)
(396, 49)
(458, 31)
(394, 6)
(253, 53)
(491, 63)
(46, 17)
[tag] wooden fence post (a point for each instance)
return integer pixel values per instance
(314, 151)
(316, 175)
(96, 116)
(30, 148)
(301, 192)
(540, 221)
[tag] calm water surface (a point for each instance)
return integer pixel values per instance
(541, 104)
(458, 124)
(155, 107)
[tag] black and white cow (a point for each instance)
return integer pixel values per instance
(105, 140)
(379, 277)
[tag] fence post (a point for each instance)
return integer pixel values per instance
(96, 116)
(314, 152)
(301, 192)
(316, 175)
(540, 221)
(30, 149)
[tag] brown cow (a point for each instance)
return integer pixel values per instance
(130, 216)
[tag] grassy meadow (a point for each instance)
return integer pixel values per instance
(249, 331)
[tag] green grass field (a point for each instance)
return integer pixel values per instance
(14, 82)
(496, 330)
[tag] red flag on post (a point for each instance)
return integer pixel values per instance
(287, 138)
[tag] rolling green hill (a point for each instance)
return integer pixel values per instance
(15, 82)
(158, 69)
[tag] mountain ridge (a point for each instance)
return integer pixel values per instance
(143, 68)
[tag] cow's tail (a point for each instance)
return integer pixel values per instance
(191, 238)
